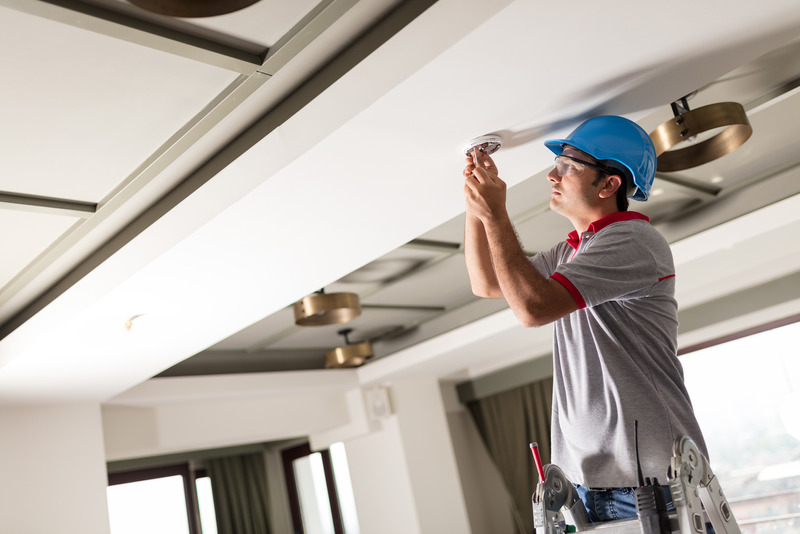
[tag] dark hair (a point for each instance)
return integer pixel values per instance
(622, 195)
(622, 190)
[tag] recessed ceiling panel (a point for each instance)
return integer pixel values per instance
(82, 110)
(441, 285)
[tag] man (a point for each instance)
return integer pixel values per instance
(609, 290)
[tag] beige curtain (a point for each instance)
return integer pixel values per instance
(239, 485)
(508, 422)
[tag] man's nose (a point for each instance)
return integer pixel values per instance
(553, 175)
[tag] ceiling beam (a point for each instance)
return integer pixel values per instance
(141, 32)
(217, 110)
(778, 94)
(739, 304)
(215, 362)
(319, 19)
(52, 206)
(301, 35)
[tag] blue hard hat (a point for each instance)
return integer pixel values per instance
(617, 143)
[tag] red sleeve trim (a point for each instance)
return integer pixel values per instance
(665, 277)
(561, 279)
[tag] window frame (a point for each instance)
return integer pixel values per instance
(734, 336)
(189, 490)
(765, 327)
(300, 451)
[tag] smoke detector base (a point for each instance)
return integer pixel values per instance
(489, 143)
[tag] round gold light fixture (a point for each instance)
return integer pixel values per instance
(192, 8)
(351, 355)
(687, 124)
(323, 309)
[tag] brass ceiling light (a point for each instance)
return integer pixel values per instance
(192, 8)
(687, 124)
(321, 308)
(351, 355)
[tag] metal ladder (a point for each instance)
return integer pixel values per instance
(695, 490)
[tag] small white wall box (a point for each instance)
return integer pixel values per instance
(379, 405)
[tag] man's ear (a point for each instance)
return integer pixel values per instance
(610, 185)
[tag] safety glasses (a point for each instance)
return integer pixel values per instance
(569, 166)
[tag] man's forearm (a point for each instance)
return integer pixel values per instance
(480, 269)
(534, 299)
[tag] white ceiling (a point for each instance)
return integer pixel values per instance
(205, 174)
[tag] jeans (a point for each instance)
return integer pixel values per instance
(617, 503)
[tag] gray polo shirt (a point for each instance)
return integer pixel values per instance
(615, 357)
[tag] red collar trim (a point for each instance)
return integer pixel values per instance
(574, 239)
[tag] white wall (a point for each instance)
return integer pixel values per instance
(404, 470)
(141, 431)
(405, 476)
(428, 447)
(52, 470)
(488, 501)
(381, 483)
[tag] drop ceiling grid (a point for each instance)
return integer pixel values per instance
(84, 110)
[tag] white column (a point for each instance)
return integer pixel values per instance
(52, 470)
(431, 460)
(488, 500)
(405, 477)
(381, 484)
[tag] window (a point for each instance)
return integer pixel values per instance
(746, 394)
(320, 492)
(205, 504)
(164, 500)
